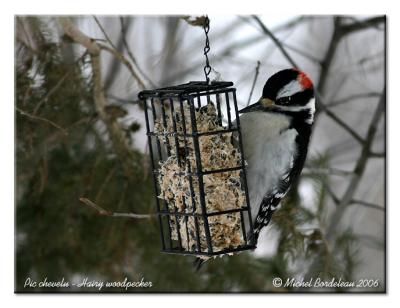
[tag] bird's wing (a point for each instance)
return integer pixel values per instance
(273, 197)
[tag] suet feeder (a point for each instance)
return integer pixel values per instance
(198, 166)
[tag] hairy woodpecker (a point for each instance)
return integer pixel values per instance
(276, 132)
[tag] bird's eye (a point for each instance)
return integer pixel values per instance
(283, 100)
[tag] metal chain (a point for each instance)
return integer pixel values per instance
(207, 67)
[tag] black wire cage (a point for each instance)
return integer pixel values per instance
(198, 167)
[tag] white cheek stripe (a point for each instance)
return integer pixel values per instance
(291, 88)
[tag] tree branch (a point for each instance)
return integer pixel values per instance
(325, 64)
(329, 190)
(78, 36)
(117, 135)
(104, 32)
(368, 204)
(302, 53)
(377, 155)
(130, 54)
(254, 82)
(34, 117)
(326, 171)
(353, 97)
(114, 129)
(124, 61)
(275, 40)
(358, 170)
(50, 93)
(361, 25)
(341, 123)
(104, 212)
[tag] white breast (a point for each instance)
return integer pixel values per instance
(269, 148)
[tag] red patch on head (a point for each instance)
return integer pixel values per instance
(305, 82)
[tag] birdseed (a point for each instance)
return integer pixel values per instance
(223, 190)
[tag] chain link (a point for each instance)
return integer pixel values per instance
(207, 67)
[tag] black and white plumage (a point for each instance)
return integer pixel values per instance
(276, 132)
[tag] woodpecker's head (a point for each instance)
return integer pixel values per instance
(289, 91)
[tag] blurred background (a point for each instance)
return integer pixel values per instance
(80, 133)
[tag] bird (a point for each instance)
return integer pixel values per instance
(276, 133)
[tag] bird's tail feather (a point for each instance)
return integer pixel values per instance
(253, 237)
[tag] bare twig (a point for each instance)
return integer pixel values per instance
(114, 129)
(358, 170)
(94, 47)
(339, 121)
(371, 241)
(254, 82)
(325, 67)
(118, 137)
(105, 182)
(104, 32)
(124, 61)
(326, 171)
(130, 54)
(78, 36)
(361, 25)
(347, 198)
(325, 184)
(275, 40)
(33, 117)
(377, 155)
(50, 93)
(368, 204)
(324, 72)
(353, 97)
(330, 53)
(104, 212)
(123, 100)
(292, 23)
(302, 53)
(339, 31)
(115, 64)
(335, 198)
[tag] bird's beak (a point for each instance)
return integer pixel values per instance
(262, 104)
